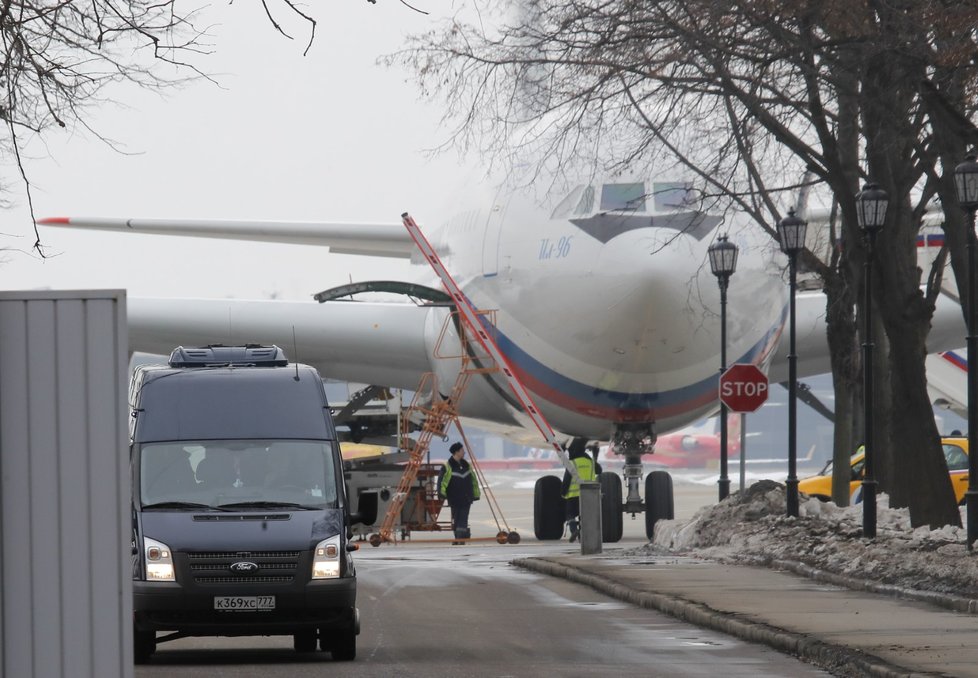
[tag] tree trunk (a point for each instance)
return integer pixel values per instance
(841, 330)
(918, 476)
(921, 481)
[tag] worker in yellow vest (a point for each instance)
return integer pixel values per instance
(571, 489)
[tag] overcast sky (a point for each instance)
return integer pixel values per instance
(330, 136)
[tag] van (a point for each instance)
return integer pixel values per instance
(240, 517)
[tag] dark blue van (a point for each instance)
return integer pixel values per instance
(240, 516)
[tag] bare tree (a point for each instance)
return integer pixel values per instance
(747, 96)
(59, 56)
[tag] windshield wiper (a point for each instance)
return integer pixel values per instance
(181, 504)
(266, 504)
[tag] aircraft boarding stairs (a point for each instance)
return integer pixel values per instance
(947, 381)
(479, 354)
(435, 414)
(947, 372)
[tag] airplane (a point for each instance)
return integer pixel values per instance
(603, 302)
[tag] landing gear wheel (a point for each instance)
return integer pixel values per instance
(344, 646)
(375, 540)
(304, 641)
(548, 509)
(143, 645)
(513, 538)
(659, 503)
(501, 537)
(611, 507)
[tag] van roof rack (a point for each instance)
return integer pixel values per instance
(219, 355)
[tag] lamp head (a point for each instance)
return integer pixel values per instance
(723, 257)
(791, 233)
(966, 183)
(871, 204)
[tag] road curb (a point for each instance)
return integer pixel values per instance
(947, 601)
(839, 659)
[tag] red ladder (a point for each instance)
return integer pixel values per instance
(478, 330)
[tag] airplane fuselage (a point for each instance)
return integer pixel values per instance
(614, 327)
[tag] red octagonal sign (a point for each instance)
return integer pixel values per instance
(743, 388)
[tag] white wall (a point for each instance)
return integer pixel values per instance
(65, 572)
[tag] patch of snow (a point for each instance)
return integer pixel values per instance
(753, 525)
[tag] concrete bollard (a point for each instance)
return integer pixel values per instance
(591, 537)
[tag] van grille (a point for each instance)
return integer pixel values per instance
(214, 567)
(233, 556)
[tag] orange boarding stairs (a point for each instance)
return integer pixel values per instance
(442, 411)
(436, 413)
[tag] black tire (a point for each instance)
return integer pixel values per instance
(143, 645)
(304, 641)
(612, 526)
(548, 509)
(659, 504)
(344, 647)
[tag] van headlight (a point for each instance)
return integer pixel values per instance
(326, 559)
(159, 561)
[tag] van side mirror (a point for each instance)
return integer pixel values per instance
(366, 512)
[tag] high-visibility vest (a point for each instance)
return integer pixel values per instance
(585, 469)
(448, 473)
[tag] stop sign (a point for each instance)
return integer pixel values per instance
(743, 388)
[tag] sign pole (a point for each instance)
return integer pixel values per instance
(743, 451)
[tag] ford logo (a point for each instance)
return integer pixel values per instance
(244, 566)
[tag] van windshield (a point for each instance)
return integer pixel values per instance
(263, 473)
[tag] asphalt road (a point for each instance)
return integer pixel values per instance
(434, 610)
(431, 609)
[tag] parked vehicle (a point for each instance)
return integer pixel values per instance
(955, 453)
(240, 515)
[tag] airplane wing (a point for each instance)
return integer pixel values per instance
(364, 342)
(380, 240)
(947, 328)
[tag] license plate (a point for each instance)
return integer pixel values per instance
(244, 603)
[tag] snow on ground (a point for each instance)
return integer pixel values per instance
(753, 526)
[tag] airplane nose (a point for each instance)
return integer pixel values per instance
(652, 305)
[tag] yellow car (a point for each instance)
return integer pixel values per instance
(955, 453)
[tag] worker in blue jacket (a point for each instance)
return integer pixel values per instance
(458, 484)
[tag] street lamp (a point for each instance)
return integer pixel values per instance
(871, 203)
(966, 186)
(723, 262)
(791, 232)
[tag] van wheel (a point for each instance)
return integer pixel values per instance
(344, 646)
(143, 645)
(304, 641)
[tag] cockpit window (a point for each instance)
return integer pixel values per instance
(615, 197)
(671, 195)
(586, 205)
(563, 210)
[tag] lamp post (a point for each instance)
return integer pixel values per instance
(791, 233)
(871, 203)
(966, 186)
(723, 262)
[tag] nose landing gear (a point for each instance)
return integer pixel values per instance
(629, 443)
